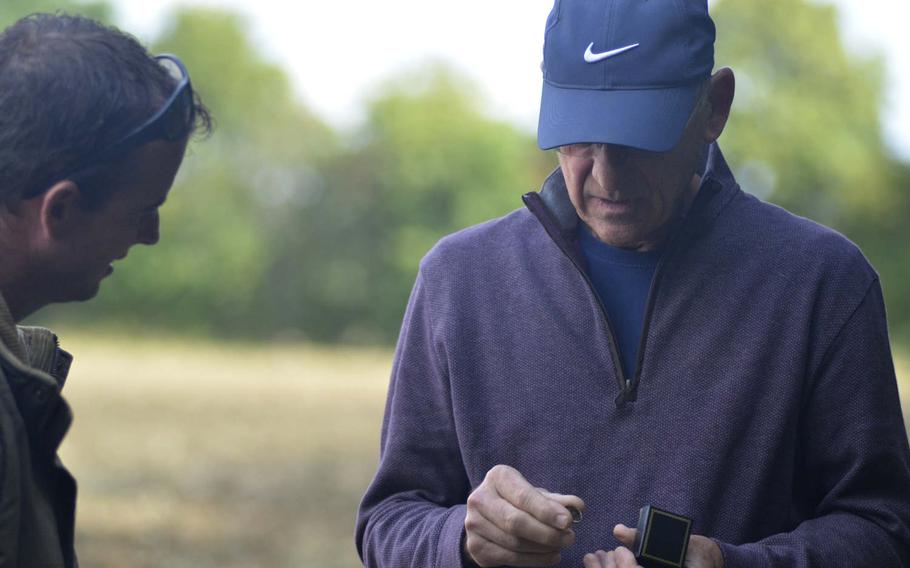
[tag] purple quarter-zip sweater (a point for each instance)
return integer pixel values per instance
(764, 403)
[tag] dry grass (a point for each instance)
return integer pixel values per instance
(191, 455)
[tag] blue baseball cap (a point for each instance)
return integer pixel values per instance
(623, 71)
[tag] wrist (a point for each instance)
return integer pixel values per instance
(716, 554)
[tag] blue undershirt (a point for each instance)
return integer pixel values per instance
(622, 279)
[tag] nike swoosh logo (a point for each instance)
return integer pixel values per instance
(592, 57)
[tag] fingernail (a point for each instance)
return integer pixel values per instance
(562, 521)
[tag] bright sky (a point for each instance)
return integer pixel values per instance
(336, 51)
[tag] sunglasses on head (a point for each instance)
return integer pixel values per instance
(172, 123)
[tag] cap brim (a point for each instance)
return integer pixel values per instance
(649, 119)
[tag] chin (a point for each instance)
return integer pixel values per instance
(619, 239)
(77, 293)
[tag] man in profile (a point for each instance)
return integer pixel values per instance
(644, 332)
(92, 132)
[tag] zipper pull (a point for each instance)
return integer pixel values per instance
(627, 395)
(621, 399)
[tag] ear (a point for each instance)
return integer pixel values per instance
(723, 87)
(59, 209)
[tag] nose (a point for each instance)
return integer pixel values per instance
(612, 154)
(149, 230)
(609, 159)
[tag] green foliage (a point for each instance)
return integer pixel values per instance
(806, 133)
(12, 10)
(279, 225)
(208, 273)
(426, 163)
(804, 107)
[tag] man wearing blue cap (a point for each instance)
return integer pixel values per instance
(643, 332)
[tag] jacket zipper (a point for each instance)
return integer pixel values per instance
(646, 324)
(627, 387)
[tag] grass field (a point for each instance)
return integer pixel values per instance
(194, 455)
(190, 455)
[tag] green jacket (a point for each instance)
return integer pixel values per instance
(37, 494)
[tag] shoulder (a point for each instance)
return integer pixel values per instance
(784, 239)
(487, 244)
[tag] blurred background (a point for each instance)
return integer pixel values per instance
(229, 382)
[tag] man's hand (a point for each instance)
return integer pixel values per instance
(702, 553)
(622, 557)
(509, 521)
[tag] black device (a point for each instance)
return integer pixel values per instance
(662, 538)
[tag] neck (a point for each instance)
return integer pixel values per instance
(18, 300)
(18, 285)
(660, 239)
(18, 290)
(19, 309)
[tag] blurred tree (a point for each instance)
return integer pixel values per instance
(804, 108)
(226, 209)
(884, 239)
(806, 129)
(12, 10)
(427, 162)
(279, 225)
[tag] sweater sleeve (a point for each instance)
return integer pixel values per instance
(855, 463)
(413, 511)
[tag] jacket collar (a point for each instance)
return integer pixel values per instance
(44, 354)
(32, 348)
(34, 369)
